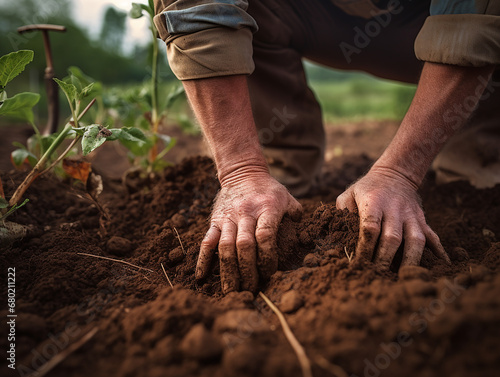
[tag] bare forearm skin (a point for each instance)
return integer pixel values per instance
(222, 106)
(445, 98)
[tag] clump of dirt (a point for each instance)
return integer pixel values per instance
(434, 321)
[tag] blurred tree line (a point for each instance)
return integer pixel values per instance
(103, 59)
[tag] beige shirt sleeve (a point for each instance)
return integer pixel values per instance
(463, 33)
(205, 38)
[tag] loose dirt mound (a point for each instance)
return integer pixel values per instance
(440, 321)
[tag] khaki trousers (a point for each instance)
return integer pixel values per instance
(286, 112)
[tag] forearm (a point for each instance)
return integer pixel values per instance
(445, 98)
(222, 107)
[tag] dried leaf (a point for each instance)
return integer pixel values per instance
(77, 169)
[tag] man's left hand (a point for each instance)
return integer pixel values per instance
(390, 212)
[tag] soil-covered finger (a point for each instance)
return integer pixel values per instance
(229, 274)
(247, 254)
(434, 244)
(207, 251)
(295, 210)
(389, 243)
(369, 232)
(414, 244)
(267, 250)
(346, 201)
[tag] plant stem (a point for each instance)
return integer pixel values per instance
(37, 170)
(75, 140)
(155, 121)
(33, 174)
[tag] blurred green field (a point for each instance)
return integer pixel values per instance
(357, 96)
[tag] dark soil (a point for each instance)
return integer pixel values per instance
(435, 320)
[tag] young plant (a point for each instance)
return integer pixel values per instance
(91, 136)
(155, 161)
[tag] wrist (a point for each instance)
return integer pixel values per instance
(243, 170)
(407, 159)
(392, 174)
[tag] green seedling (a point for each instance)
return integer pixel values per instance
(154, 161)
(91, 136)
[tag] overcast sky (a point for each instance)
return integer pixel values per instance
(89, 14)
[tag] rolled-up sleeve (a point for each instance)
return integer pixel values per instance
(461, 32)
(206, 38)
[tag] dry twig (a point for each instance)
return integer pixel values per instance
(346, 253)
(179, 238)
(169, 282)
(304, 361)
(49, 365)
(116, 260)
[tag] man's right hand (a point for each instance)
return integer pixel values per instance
(250, 204)
(244, 225)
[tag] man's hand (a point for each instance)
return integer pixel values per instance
(244, 224)
(251, 204)
(390, 212)
(386, 198)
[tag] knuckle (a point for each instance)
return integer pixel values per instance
(371, 229)
(226, 245)
(392, 238)
(264, 234)
(417, 239)
(245, 242)
(207, 243)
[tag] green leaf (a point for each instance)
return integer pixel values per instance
(87, 90)
(169, 143)
(133, 139)
(92, 138)
(18, 144)
(12, 65)
(159, 165)
(20, 106)
(79, 131)
(20, 155)
(69, 90)
(72, 79)
(13, 209)
(84, 79)
(174, 95)
(136, 11)
(3, 203)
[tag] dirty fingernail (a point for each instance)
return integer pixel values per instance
(198, 274)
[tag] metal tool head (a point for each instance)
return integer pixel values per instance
(35, 27)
